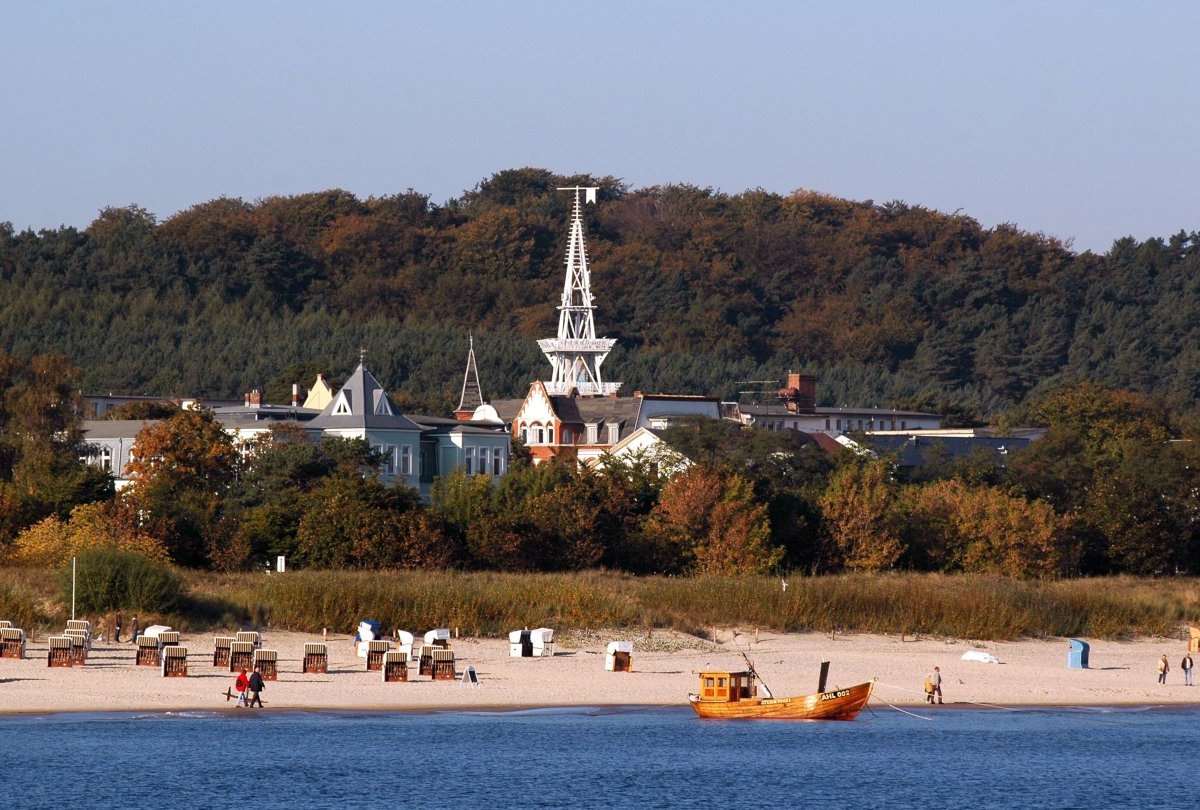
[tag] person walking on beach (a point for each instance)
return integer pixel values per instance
(933, 686)
(241, 685)
(1163, 669)
(1186, 666)
(133, 630)
(117, 629)
(256, 686)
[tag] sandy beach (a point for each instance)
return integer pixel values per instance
(1030, 672)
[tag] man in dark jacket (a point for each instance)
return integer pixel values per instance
(256, 686)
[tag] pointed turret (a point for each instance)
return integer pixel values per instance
(576, 353)
(472, 393)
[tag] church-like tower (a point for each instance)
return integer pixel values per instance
(576, 354)
(472, 391)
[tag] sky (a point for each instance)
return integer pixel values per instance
(1079, 120)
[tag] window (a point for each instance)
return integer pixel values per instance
(566, 436)
(827, 424)
(406, 465)
(614, 434)
(550, 435)
(903, 425)
(498, 461)
(592, 430)
(524, 435)
(388, 456)
(537, 435)
(106, 459)
(342, 408)
(469, 461)
(483, 460)
(839, 424)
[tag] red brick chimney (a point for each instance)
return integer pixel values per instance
(254, 399)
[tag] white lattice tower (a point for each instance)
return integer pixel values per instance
(576, 353)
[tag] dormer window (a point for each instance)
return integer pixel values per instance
(593, 430)
(382, 407)
(614, 433)
(342, 406)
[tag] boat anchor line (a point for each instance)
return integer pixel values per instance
(961, 702)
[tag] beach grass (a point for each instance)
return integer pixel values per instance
(491, 604)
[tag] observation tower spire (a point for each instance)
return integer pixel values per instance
(576, 353)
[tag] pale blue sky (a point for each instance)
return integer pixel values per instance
(1077, 119)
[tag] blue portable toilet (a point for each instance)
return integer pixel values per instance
(1077, 658)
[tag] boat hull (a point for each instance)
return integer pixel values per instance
(840, 704)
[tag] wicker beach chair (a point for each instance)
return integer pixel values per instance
(316, 657)
(267, 664)
(395, 666)
(174, 661)
(443, 665)
(375, 652)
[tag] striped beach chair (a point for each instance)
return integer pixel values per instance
(375, 651)
(79, 646)
(5, 623)
(85, 626)
(267, 663)
(395, 666)
(58, 653)
(147, 652)
(250, 636)
(241, 656)
(174, 661)
(81, 636)
(316, 658)
(425, 660)
(168, 638)
(443, 665)
(221, 645)
(12, 642)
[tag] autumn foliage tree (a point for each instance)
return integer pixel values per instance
(984, 530)
(181, 475)
(707, 521)
(858, 509)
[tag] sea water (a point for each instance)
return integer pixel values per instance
(613, 757)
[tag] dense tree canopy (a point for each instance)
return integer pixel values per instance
(888, 303)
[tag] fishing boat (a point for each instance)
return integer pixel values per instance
(735, 696)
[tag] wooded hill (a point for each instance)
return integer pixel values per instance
(891, 305)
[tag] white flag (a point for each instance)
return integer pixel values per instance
(590, 195)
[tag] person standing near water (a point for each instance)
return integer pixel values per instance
(133, 630)
(1163, 669)
(934, 686)
(117, 628)
(1186, 666)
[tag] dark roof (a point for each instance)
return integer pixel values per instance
(368, 404)
(114, 428)
(780, 410)
(251, 413)
(507, 409)
(441, 424)
(913, 450)
(825, 441)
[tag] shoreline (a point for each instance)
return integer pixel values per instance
(1032, 675)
